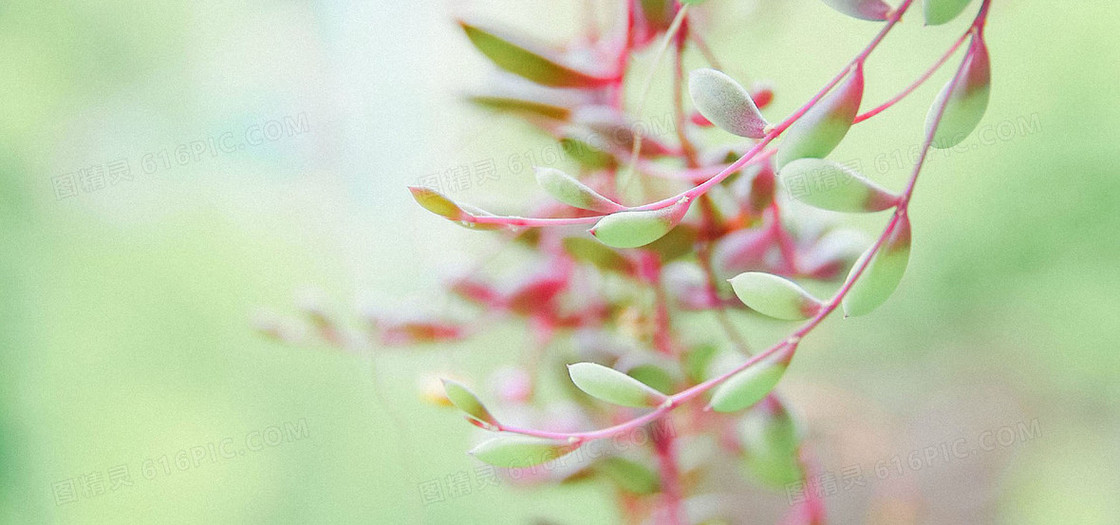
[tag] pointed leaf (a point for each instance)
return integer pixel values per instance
(822, 128)
(874, 10)
(632, 229)
(529, 60)
(517, 451)
(883, 274)
(726, 103)
(567, 189)
(774, 296)
(749, 386)
(965, 99)
(437, 203)
(467, 401)
(938, 12)
(829, 186)
(613, 386)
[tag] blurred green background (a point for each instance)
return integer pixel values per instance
(126, 334)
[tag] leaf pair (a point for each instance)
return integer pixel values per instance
(781, 298)
(504, 450)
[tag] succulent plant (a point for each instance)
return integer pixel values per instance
(613, 280)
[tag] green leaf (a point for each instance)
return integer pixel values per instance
(518, 451)
(938, 12)
(874, 10)
(770, 440)
(568, 190)
(749, 386)
(632, 229)
(467, 401)
(437, 203)
(829, 186)
(965, 99)
(529, 60)
(590, 251)
(613, 386)
(629, 475)
(726, 103)
(822, 128)
(774, 296)
(879, 280)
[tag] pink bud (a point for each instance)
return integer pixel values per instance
(477, 292)
(700, 120)
(762, 94)
(536, 293)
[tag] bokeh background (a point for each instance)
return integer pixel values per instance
(125, 310)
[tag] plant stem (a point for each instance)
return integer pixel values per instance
(917, 83)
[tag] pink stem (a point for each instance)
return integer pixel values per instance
(917, 83)
(697, 174)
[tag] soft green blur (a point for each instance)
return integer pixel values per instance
(126, 333)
